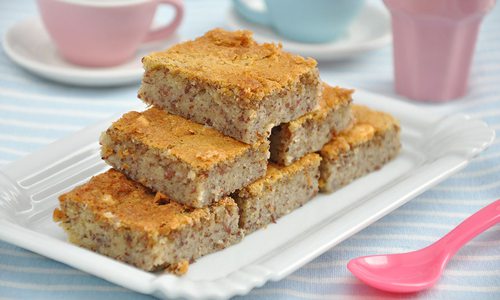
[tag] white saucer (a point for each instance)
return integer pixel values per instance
(370, 30)
(29, 45)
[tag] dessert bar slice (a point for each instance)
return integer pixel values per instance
(226, 80)
(279, 192)
(367, 146)
(309, 133)
(117, 217)
(191, 163)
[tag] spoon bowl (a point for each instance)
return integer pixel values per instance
(419, 270)
(406, 272)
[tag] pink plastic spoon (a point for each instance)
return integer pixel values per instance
(419, 270)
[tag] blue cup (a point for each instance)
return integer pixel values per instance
(309, 21)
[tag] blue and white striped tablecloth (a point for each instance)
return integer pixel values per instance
(35, 112)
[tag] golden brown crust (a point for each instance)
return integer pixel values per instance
(234, 63)
(380, 121)
(335, 96)
(178, 269)
(368, 123)
(332, 98)
(276, 172)
(128, 204)
(199, 146)
(58, 215)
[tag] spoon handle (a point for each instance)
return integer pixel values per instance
(469, 228)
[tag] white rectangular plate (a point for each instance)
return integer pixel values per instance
(434, 147)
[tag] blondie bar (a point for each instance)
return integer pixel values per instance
(117, 217)
(367, 146)
(279, 192)
(309, 133)
(227, 81)
(191, 163)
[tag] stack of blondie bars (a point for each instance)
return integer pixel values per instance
(237, 135)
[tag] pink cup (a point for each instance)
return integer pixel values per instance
(103, 33)
(434, 42)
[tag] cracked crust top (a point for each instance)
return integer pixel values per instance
(368, 123)
(276, 172)
(198, 145)
(234, 63)
(124, 203)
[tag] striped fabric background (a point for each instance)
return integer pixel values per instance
(35, 112)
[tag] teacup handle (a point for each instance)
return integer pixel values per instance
(252, 15)
(164, 31)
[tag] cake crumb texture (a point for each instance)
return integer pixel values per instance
(198, 145)
(373, 141)
(120, 218)
(368, 123)
(310, 132)
(193, 164)
(279, 192)
(233, 61)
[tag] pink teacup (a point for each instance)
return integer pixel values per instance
(103, 33)
(433, 45)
